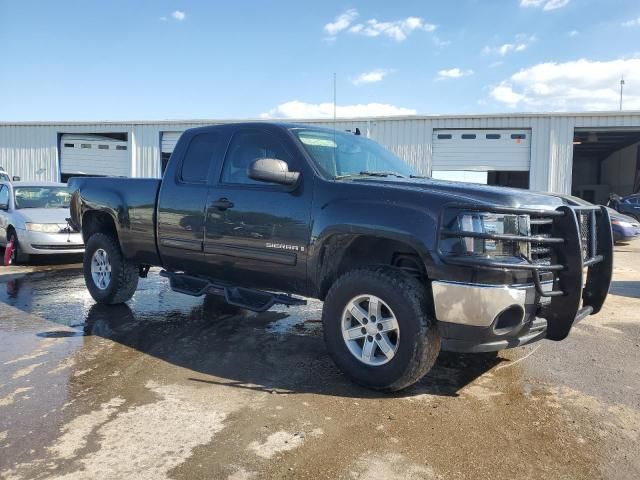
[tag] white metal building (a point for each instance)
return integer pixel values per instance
(591, 154)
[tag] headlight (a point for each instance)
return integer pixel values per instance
(43, 227)
(479, 225)
(622, 223)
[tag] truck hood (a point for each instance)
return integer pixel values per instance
(44, 215)
(461, 192)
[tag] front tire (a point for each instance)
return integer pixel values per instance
(378, 328)
(17, 255)
(110, 278)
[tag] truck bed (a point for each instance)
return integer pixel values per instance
(129, 202)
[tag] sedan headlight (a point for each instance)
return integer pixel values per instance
(622, 223)
(43, 227)
(488, 235)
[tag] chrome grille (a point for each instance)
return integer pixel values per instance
(541, 227)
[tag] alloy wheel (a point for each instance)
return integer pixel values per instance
(101, 269)
(370, 330)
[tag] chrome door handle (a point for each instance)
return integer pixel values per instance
(222, 204)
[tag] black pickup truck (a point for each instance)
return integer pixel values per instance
(406, 266)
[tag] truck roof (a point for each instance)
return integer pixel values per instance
(282, 125)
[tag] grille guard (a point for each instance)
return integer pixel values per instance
(594, 252)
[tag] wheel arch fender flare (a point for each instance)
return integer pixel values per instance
(408, 224)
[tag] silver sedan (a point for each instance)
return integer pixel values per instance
(33, 215)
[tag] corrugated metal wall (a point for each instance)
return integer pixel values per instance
(31, 150)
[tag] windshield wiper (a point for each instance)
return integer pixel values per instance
(370, 173)
(367, 173)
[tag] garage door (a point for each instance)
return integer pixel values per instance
(481, 150)
(169, 140)
(94, 155)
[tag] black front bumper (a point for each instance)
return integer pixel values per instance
(581, 266)
(468, 339)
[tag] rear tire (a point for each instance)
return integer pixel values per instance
(415, 344)
(110, 278)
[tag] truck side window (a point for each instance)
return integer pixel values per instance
(203, 148)
(4, 195)
(246, 147)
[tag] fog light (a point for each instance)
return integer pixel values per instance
(508, 320)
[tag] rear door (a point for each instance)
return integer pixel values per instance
(257, 233)
(182, 202)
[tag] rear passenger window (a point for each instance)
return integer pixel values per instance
(200, 154)
(468, 136)
(518, 136)
(246, 147)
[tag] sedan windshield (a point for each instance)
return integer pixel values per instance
(42, 197)
(339, 155)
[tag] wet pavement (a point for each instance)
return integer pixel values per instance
(171, 386)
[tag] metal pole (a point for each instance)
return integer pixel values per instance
(334, 100)
(335, 144)
(621, 87)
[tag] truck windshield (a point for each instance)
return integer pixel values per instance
(42, 197)
(339, 154)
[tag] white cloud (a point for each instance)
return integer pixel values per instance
(179, 15)
(520, 43)
(555, 4)
(504, 49)
(545, 4)
(298, 109)
(398, 30)
(632, 23)
(440, 43)
(454, 73)
(576, 85)
(573, 33)
(371, 77)
(341, 22)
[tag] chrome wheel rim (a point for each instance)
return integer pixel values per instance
(370, 330)
(101, 269)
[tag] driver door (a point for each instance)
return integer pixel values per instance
(256, 233)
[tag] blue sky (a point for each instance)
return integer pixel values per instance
(162, 59)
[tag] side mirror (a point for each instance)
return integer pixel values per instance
(15, 178)
(4, 206)
(272, 170)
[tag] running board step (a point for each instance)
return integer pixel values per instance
(255, 300)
